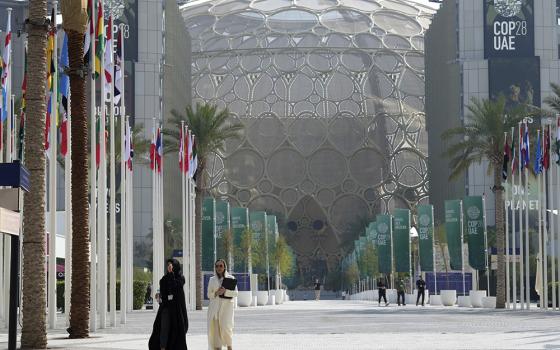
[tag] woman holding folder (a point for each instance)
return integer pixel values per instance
(222, 290)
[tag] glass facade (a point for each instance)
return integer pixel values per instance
(331, 94)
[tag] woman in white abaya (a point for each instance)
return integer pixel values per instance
(220, 310)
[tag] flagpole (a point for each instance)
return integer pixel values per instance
(522, 207)
(52, 184)
(434, 253)
(538, 287)
(155, 258)
(186, 266)
(527, 281)
(124, 192)
(513, 210)
(130, 226)
(507, 224)
(542, 207)
(93, 179)
(553, 226)
(558, 203)
(462, 245)
(112, 184)
(68, 209)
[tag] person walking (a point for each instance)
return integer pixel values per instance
(382, 291)
(220, 309)
(171, 323)
(401, 288)
(317, 289)
(421, 287)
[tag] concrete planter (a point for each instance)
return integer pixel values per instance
(244, 299)
(262, 298)
(448, 297)
(278, 295)
(410, 299)
(254, 301)
(271, 299)
(392, 296)
(464, 301)
(435, 300)
(489, 302)
(476, 297)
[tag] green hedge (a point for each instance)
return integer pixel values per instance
(137, 303)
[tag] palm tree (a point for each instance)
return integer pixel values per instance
(34, 331)
(554, 100)
(75, 18)
(481, 138)
(211, 129)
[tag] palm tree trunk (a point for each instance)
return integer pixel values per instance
(79, 307)
(198, 231)
(34, 331)
(500, 237)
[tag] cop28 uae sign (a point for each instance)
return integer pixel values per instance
(509, 28)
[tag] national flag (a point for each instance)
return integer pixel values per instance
(525, 147)
(108, 63)
(64, 89)
(51, 52)
(131, 148)
(537, 168)
(188, 155)
(514, 161)
(153, 151)
(89, 32)
(7, 51)
(48, 122)
(194, 158)
(159, 150)
(186, 150)
(98, 143)
(558, 140)
(119, 70)
(127, 142)
(100, 39)
(546, 149)
(181, 150)
(507, 156)
(21, 134)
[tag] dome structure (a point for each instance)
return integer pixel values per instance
(331, 93)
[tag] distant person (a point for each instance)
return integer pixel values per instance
(401, 287)
(171, 324)
(148, 296)
(382, 289)
(220, 309)
(421, 287)
(317, 289)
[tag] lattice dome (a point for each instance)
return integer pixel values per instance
(331, 93)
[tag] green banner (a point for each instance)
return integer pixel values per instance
(453, 227)
(401, 240)
(260, 241)
(384, 249)
(473, 213)
(372, 233)
(208, 233)
(426, 236)
(272, 231)
(239, 221)
(222, 225)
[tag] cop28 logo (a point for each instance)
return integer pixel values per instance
(473, 213)
(507, 8)
(383, 228)
(424, 220)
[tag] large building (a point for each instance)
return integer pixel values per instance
(481, 49)
(331, 94)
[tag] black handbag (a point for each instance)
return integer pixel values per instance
(229, 284)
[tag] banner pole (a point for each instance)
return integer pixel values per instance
(507, 234)
(551, 222)
(527, 276)
(522, 205)
(434, 253)
(462, 244)
(513, 210)
(486, 244)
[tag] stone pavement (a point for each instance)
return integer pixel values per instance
(336, 324)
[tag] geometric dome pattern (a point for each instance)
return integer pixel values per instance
(331, 93)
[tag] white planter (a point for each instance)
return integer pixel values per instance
(448, 297)
(489, 302)
(410, 299)
(286, 296)
(278, 293)
(271, 299)
(254, 302)
(392, 296)
(476, 297)
(435, 300)
(464, 301)
(262, 297)
(244, 299)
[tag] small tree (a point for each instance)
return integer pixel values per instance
(243, 252)
(351, 275)
(227, 245)
(283, 259)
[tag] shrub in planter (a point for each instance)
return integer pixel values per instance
(139, 294)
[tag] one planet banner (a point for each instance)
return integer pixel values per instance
(373, 233)
(473, 214)
(401, 239)
(257, 221)
(222, 225)
(384, 248)
(453, 228)
(426, 236)
(272, 232)
(208, 233)
(239, 221)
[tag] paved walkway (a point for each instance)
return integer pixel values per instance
(348, 325)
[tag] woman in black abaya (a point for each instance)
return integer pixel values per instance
(171, 324)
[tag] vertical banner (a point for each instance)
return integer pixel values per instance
(372, 233)
(401, 240)
(384, 249)
(474, 225)
(222, 225)
(208, 233)
(239, 221)
(260, 249)
(426, 236)
(453, 226)
(272, 236)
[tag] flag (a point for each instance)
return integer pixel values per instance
(537, 168)
(89, 33)
(108, 63)
(64, 89)
(188, 155)
(181, 150)
(48, 125)
(194, 158)
(186, 149)
(546, 149)
(514, 163)
(525, 149)
(507, 156)
(100, 39)
(119, 71)
(21, 134)
(159, 150)
(153, 151)
(538, 275)
(127, 143)
(131, 153)
(558, 140)
(98, 143)
(7, 51)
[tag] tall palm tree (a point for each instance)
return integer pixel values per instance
(74, 14)
(554, 100)
(211, 129)
(34, 331)
(481, 138)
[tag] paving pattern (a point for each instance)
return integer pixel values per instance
(348, 325)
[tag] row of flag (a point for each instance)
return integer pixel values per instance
(188, 159)
(541, 162)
